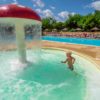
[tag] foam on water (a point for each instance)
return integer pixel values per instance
(46, 78)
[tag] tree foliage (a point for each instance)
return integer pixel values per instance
(47, 23)
(86, 23)
(72, 21)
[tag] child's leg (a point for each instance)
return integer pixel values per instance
(71, 68)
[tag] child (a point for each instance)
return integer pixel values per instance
(70, 60)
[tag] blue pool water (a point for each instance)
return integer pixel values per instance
(42, 79)
(93, 42)
(46, 78)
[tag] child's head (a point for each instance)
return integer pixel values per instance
(69, 53)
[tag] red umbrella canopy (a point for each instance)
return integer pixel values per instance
(18, 11)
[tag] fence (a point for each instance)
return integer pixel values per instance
(95, 35)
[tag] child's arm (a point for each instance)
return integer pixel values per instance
(64, 61)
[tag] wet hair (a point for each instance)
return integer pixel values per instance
(69, 52)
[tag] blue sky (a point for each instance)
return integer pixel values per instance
(59, 9)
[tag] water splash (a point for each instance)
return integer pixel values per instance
(43, 80)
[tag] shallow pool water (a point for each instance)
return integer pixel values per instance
(45, 77)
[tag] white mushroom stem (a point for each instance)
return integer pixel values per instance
(20, 40)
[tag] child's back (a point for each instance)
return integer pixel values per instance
(70, 60)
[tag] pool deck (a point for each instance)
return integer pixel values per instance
(91, 51)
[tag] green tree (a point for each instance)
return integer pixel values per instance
(72, 21)
(97, 18)
(47, 23)
(87, 22)
(58, 25)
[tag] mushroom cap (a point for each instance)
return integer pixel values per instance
(18, 11)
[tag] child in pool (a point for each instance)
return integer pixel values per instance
(70, 60)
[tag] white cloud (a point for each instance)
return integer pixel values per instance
(96, 5)
(73, 13)
(65, 14)
(52, 7)
(48, 13)
(39, 11)
(38, 3)
(58, 19)
(45, 13)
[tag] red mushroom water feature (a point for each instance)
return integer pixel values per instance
(20, 17)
